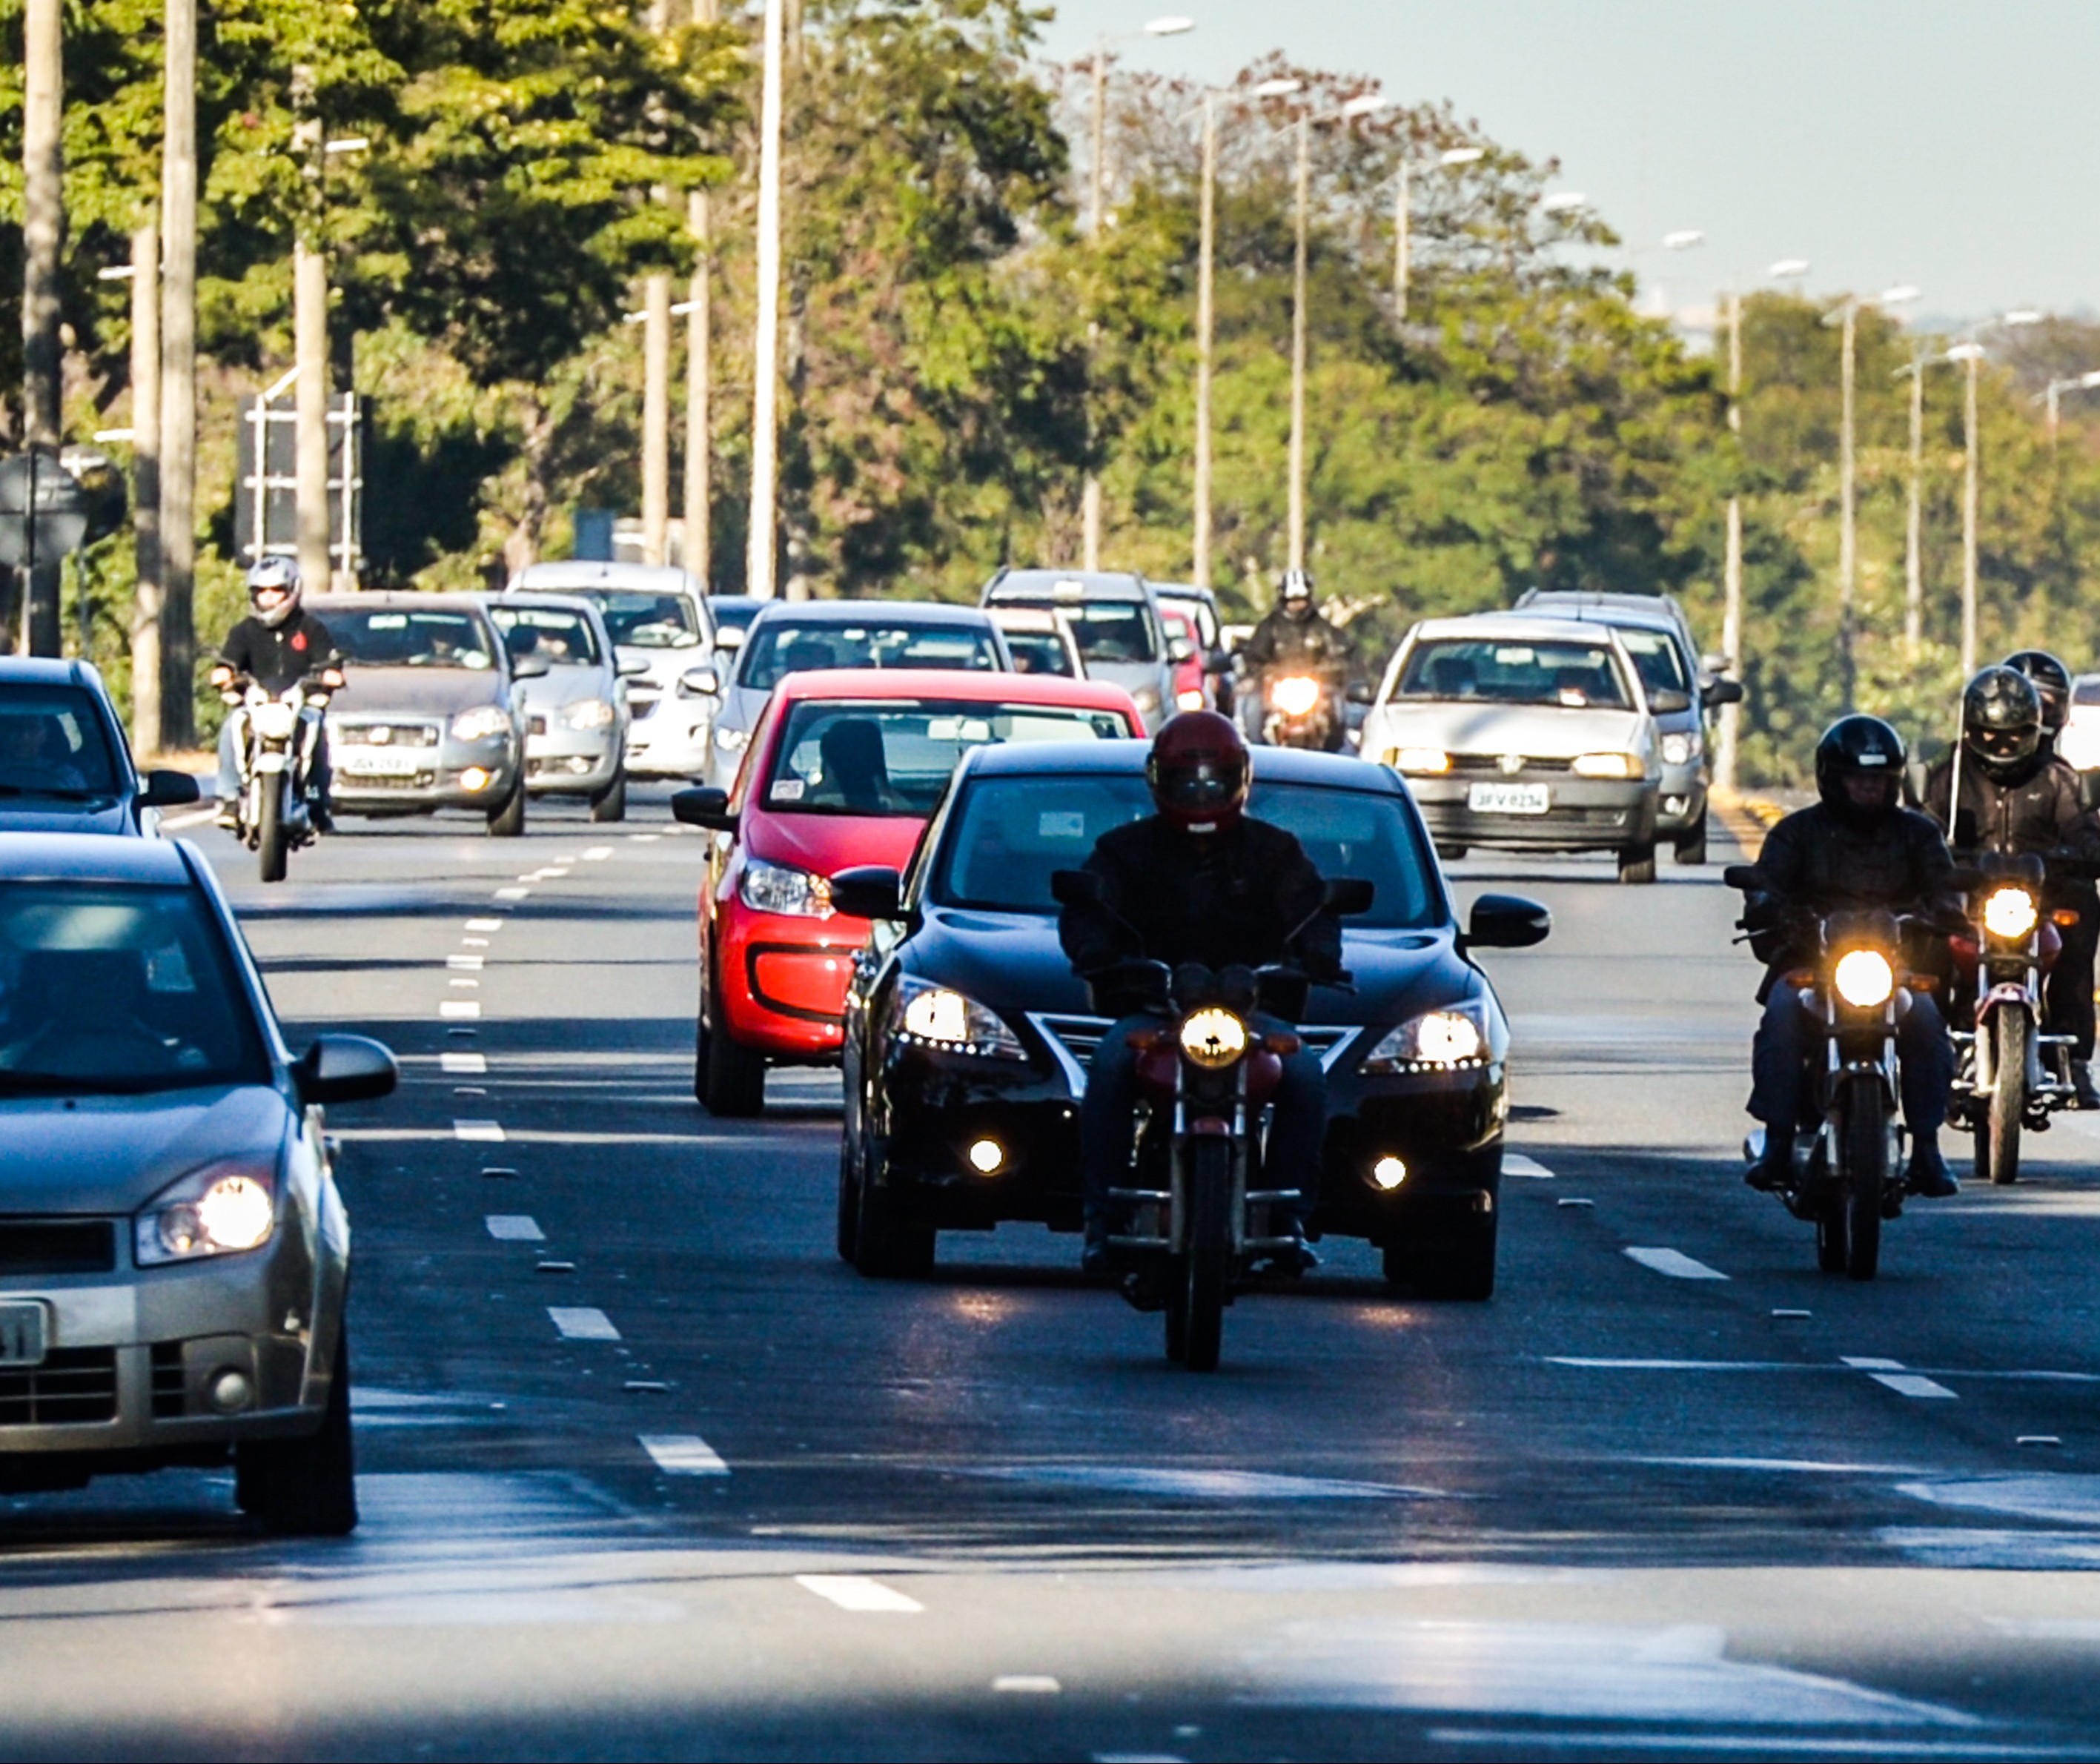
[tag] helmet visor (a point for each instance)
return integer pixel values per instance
(2004, 743)
(1197, 785)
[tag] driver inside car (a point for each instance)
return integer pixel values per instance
(1198, 880)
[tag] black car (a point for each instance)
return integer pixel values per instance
(64, 765)
(967, 1036)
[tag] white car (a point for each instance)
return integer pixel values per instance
(2080, 741)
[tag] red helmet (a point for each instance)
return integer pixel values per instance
(1199, 772)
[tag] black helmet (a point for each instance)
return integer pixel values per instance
(1857, 747)
(2001, 721)
(2052, 682)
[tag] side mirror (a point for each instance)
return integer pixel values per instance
(1180, 649)
(169, 790)
(1507, 922)
(344, 1069)
(1349, 895)
(1362, 692)
(633, 667)
(1218, 662)
(699, 683)
(1076, 888)
(868, 890)
(1722, 692)
(529, 667)
(728, 636)
(705, 806)
(1665, 702)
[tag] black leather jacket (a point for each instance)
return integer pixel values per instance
(1283, 644)
(2041, 812)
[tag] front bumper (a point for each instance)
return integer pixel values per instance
(1582, 813)
(437, 781)
(1681, 801)
(565, 761)
(782, 981)
(668, 734)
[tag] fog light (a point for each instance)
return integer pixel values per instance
(475, 777)
(1388, 1173)
(987, 1156)
(231, 1392)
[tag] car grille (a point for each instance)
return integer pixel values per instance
(1493, 762)
(73, 1385)
(57, 1247)
(1076, 1037)
(170, 1391)
(385, 734)
(536, 725)
(642, 705)
(363, 783)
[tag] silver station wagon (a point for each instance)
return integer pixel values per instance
(1523, 735)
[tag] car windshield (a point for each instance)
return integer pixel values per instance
(897, 759)
(111, 989)
(647, 621)
(732, 617)
(561, 639)
(52, 744)
(2085, 690)
(1658, 661)
(1110, 631)
(1009, 834)
(1506, 671)
(402, 638)
(780, 647)
(1039, 652)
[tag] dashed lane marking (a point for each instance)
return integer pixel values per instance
(174, 823)
(1911, 1384)
(1675, 1263)
(463, 1064)
(858, 1592)
(683, 1454)
(514, 1228)
(1516, 1164)
(1026, 1684)
(1866, 1363)
(478, 1132)
(645, 839)
(484, 924)
(470, 964)
(470, 985)
(513, 894)
(597, 854)
(583, 1323)
(459, 1008)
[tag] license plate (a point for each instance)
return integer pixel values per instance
(379, 764)
(21, 1334)
(1508, 799)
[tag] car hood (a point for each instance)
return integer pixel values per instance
(26, 814)
(567, 684)
(664, 665)
(113, 1154)
(827, 844)
(1544, 731)
(434, 691)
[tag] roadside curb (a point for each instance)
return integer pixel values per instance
(1747, 819)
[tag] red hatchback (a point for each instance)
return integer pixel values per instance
(843, 769)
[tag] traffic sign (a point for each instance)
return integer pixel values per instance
(35, 482)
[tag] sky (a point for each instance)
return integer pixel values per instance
(1951, 147)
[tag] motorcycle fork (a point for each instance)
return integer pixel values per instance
(1183, 1141)
(1842, 1069)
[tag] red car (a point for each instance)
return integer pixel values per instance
(843, 770)
(1192, 684)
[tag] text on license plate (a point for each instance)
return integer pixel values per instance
(380, 764)
(1508, 799)
(21, 1334)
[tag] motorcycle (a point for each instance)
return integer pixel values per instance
(276, 760)
(1301, 710)
(1845, 1172)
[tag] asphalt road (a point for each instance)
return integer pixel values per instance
(647, 1471)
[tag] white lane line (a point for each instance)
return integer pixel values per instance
(597, 854)
(474, 943)
(1026, 1684)
(478, 1132)
(583, 1323)
(858, 1592)
(1516, 1164)
(484, 924)
(1532, 1742)
(467, 964)
(1911, 1384)
(196, 818)
(463, 1064)
(512, 894)
(683, 1454)
(459, 1008)
(1862, 1363)
(514, 1228)
(645, 839)
(1675, 1263)
(470, 984)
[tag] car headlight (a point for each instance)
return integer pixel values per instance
(2010, 913)
(1294, 694)
(480, 723)
(1864, 978)
(588, 713)
(934, 1016)
(1416, 761)
(777, 888)
(1147, 700)
(221, 1209)
(1607, 765)
(729, 740)
(1679, 750)
(1213, 1037)
(1438, 1040)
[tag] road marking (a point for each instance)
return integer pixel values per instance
(1027, 1684)
(474, 943)
(583, 1323)
(478, 1132)
(597, 854)
(1861, 1363)
(174, 823)
(514, 1228)
(1804, 1466)
(459, 1008)
(465, 1064)
(1685, 1365)
(468, 1089)
(512, 894)
(1570, 1200)
(1139, 1757)
(1516, 1164)
(858, 1592)
(471, 984)
(1529, 1741)
(1911, 1384)
(682, 1454)
(470, 964)
(484, 924)
(1675, 1263)
(645, 839)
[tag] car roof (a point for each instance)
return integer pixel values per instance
(953, 686)
(1275, 765)
(1094, 585)
(1620, 619)
(393, 600)
(1025, 617)
(46, 671)
(1184, 591)
(92, 858)
(586, 572)
(1535, 627)
(873, 612)
(550, 602)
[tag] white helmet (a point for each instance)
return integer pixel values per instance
(277, 576)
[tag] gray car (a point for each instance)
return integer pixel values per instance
(173, 1252)
(64, 765)
(428, 717)
(576, 714)
(1116, 618)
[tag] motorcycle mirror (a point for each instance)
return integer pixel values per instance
(1180, 649)
(1507, 922)
(868, 890)
(1350, 895)
(1719, 691)
(1362, 692)
(1076, 888)
(1745, 876)
(705, 806)
(169, 790)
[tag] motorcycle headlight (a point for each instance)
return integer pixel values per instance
(221, 1209)
(588, 713)
(1190, 700)
(1295, 695)
(1606, 766)
(273, 722)
(1213, 1037)
(934, 1016)
(2010, 913)
(1438, 1040)
(1420, 760)
(1679, 750)
(480, 723)
(1864, 978)
(778, 888)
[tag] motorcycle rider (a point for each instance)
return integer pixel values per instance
(1296, 638)
(2016, 799)
(1854, 847)
(276, 646)
(1199, 880)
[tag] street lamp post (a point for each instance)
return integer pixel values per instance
(1969, 355)
(1725, 759)
(2078, 382)
(1403, 219)
(759, 560)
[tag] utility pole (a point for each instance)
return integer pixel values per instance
(1297, 511)
(1914, 513)
(698, 555)
(655, 417)
(1090, 494)
(1403, 244)
(146, 487)
(765, 394)
(1732, 613)
(1848, 537)
(1206, 247)
(178, 224)
(309, 295)
(1971, 442)
(43, 238)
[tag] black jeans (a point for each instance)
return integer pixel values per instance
(2067, 993)
(1108, 1116)
(1783, 1093)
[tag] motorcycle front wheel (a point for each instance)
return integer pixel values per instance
(1998, 1134)
(1865, 1177)
(1207, 1256)
(273, 838)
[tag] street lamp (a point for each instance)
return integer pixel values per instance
(2078, 382)
(1684, 238)
(1451, 159)
(1969, 355)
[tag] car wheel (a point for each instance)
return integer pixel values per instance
(509, 821)
(885, 1247)
(1637, 864)
(849, 1219)
(305, 1488)
(1691, 843)
(1450, 853)
(730, 1080)
(610, 803)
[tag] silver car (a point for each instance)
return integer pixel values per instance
(576, 714)
(428, 715)
(1523, 733)
(173, 1253)
(1116, 618)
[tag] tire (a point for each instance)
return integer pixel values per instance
(1206, 1263)
(1691, 848)
(732, 1079)
(1637, 864)
(1833, 1240)
(273, 839)
(610, 803)
(305, 1488)
(1866, 1177)
(849, 1216)
(509, 821)
(886, 1247)
(1457, 1263)
(1451, 853)
(2001, 1125)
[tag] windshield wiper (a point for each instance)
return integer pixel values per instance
(95, 1084)
(56, 792)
